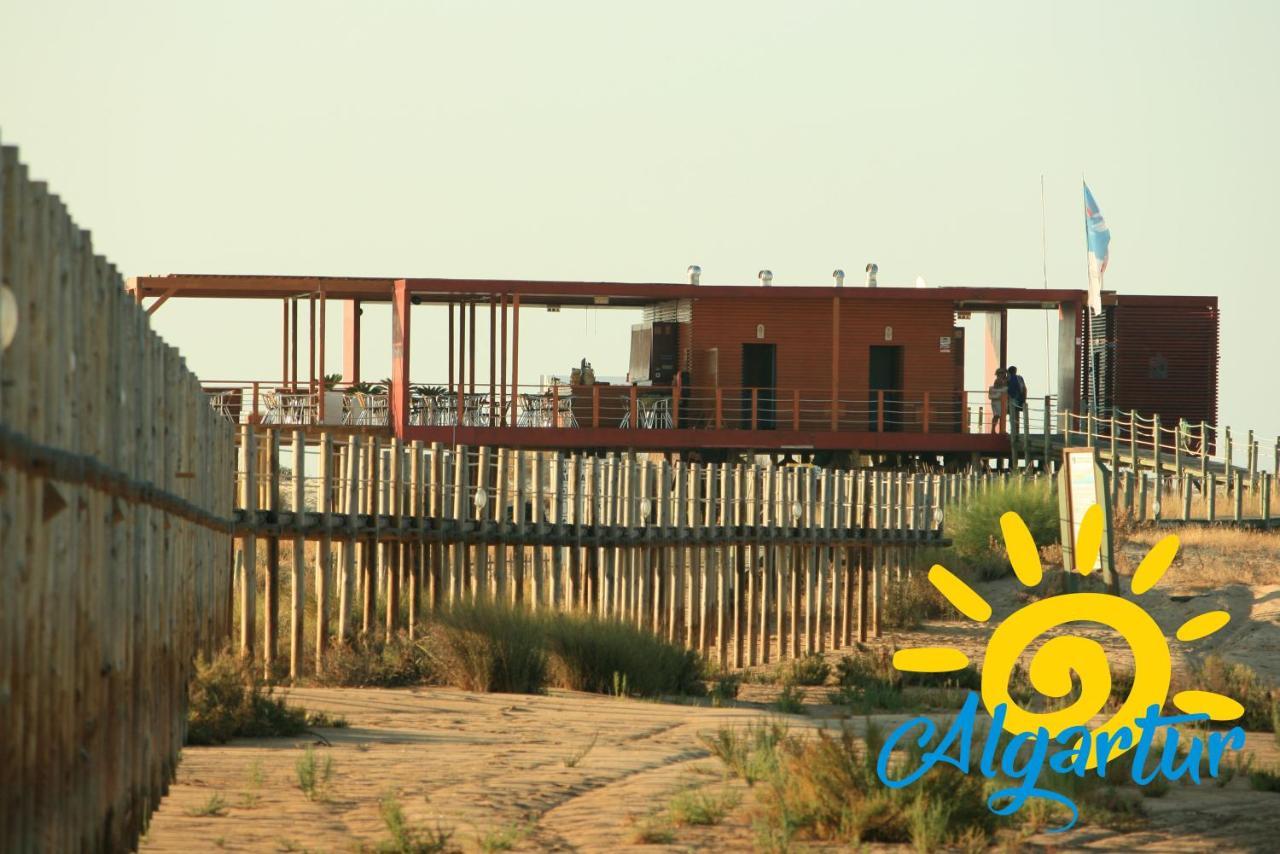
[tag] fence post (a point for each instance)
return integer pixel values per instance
(1133, 439)
(297, 585)
(1267, 479)
(324, 551)
(1048, 423)
(248, 570)
(1237, 508)
(1228, 457)
(1204, 451)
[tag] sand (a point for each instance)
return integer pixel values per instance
(568, 771)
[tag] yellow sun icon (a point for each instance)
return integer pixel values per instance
(1053, 664)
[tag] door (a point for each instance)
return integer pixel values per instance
(955, 405)
(886, 377)
(760, 372)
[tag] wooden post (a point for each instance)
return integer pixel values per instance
(247, 557)
(1237, 496)
(271, 582)
(351, 504)
(394, 549)
(324, 553)
(297, 582)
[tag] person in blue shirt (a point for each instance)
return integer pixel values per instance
(1017, 400)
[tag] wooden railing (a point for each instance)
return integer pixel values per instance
(115, 513)
(628, 407)
(1184, 471)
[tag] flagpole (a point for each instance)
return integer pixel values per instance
(1090, 373)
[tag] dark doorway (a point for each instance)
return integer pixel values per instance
(886, 377)
(760, 372)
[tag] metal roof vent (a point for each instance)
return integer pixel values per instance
(838, 275)
(872, 269)
(695, 274)
(766, 277)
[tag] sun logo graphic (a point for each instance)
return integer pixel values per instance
(1055, 668)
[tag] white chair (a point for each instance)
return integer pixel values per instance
(271, 408)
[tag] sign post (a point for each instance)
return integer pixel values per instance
(1082, 482)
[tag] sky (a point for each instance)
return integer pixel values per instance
(623, 142)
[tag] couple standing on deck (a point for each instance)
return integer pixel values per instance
(1008, 384)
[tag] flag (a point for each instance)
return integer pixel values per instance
(1098, 239)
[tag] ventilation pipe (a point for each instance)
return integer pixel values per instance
(766, 277)
(838, 275)
(872, 269)
(695, 274)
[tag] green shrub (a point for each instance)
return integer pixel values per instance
(725, 689)
(314, 774)
(495, 647)
(974, 528)
(228, 700)
(790, 701)
(807, 670)
(1242, 684)
(584, 652)
(696, 807)
(406, 838)
(488, 647)
(371, 662)
(1265, 780)
(913, 601)
(826, 788)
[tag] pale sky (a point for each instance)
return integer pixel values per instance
(598, 141)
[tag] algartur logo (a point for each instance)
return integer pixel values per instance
(1080, 745)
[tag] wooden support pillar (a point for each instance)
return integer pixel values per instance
(515, 356)
(471, 349)
(293, 343)
(350, 340)
(398, 400)
(312, 380)
(297, 584)
(502, 379)
(493, 345)
(271, 580)
(320, 410)
(451, 367)
(284, 343)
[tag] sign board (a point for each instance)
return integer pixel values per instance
(888, 333)
(944, 344)
(1081, 484)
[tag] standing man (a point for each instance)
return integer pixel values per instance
(1017, 400)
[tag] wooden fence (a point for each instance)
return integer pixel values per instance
(745, 563)
(1160, 496)
(115, 508)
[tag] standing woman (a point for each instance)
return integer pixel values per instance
(997, 393)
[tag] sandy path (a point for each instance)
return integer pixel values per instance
(485, 766)
(480, 764)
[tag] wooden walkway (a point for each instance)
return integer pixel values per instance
(745, 563)
(1169, 474)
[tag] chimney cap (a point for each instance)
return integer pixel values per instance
(695, 274)
(765, 276)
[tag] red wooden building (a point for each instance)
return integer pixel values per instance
(741, 367)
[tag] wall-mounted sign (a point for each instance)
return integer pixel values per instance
(759, 330)
(944, 344)
(888, 333)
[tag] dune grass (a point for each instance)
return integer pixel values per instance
(974, 528)
(228, 700)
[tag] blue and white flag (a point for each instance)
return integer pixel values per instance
(1098, 238)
